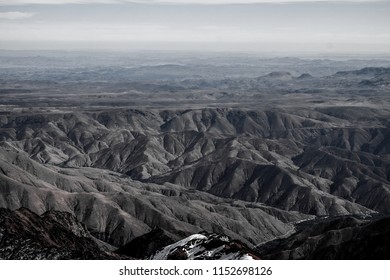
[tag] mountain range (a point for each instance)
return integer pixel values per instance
(285, 167)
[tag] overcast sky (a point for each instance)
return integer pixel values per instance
(248, 25)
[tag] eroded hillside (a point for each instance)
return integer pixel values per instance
(246, 173)
(158, 150)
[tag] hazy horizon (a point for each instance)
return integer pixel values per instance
(286, 27)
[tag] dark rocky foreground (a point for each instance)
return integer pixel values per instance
(58, 235)
(146, 245)
(53, 235)
(341, 238)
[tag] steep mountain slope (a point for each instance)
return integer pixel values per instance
(145, 245)
(244, 173)
(333, 238)
(53, 235)
(196, 148)
(116, 209)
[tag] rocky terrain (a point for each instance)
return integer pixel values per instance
(53, 235)
(149, 161)
(206, 247)
(335, 238)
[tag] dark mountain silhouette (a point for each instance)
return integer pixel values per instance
(342, 238)
(53, 235)
(146, 245)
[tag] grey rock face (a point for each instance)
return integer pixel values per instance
(205, 246)
(353, 238)
(54, 235)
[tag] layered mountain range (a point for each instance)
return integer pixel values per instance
(142, 181)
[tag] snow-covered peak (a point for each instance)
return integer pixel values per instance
(206, 246)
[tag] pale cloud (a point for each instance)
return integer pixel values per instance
(15, 15)
(343, 26)
(221, 2)
(181, 2)
(56, 2)
(93, 32)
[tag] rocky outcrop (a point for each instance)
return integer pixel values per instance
(341, 238)
(53, 235)
(145, 245)
(206, 246)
